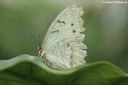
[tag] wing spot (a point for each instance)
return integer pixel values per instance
(63, 22)
(58, 21)
(68, 44)
(72, 24)
(71, 57)
(71, 64)
(74, 31)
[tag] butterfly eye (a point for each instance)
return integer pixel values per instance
(40, 50)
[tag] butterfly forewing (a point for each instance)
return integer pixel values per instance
(64, 38)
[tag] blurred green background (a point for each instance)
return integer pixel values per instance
(106, 28)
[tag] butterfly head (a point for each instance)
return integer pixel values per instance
(41, 52)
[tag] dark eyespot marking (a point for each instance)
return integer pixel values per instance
(63, 22)
(72, 24)
(71, 57)
(68, 44)
(58, 21)
(74, 31)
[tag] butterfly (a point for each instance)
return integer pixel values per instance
(63, 45)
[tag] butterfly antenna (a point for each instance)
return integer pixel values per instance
(37, 41)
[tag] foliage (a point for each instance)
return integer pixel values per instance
(30, 70)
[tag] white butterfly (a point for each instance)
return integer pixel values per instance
(63, 45)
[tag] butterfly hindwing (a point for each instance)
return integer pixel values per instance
(65, 37)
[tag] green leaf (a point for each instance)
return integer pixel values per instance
(30, 70)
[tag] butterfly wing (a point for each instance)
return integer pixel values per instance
(64, 38)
